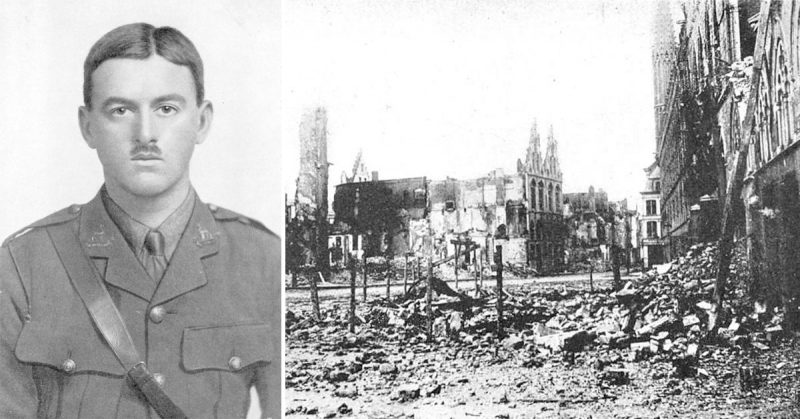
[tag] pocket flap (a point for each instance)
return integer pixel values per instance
(227, 348)
(71, 350)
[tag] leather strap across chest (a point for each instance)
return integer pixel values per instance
(105, 315)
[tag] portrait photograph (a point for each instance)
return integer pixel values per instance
(142, 232)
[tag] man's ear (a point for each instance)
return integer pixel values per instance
(204, 124)
(86, 129)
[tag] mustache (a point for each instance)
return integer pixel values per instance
(147, 149)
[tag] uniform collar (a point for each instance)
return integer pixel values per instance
(134, 231)
(102, 239)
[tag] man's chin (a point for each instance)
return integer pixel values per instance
(148, 190)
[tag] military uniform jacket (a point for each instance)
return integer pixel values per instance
(210, 328)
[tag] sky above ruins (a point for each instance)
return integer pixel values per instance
(451, 88)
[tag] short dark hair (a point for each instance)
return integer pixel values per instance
(140, 41)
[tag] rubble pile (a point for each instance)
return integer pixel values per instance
(661, 318)
(520, 270)
(672, 304)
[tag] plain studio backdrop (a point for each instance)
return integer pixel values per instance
(44, 162)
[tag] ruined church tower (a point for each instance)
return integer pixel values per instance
(543, 187)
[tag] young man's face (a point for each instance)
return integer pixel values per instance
(144, 124)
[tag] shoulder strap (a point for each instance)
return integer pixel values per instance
(58, 217)
(108, 320)
(223, 214)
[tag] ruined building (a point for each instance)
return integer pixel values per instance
(586, 214)
(692, 44)
(765, 98)
(381, 212)
(650, 232)
(521, 211)
(730, 130)
(543, 182)
(306, 218)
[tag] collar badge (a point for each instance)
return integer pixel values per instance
(204, 237)
(98, 238)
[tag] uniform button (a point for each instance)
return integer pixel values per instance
(68, 365)
(213, 207)
(157, 314)
(159, 379)
(235, 363)
(74, 208)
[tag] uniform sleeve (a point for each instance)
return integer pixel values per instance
(18, 394)
(268, 386)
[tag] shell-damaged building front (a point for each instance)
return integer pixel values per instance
(521, 211)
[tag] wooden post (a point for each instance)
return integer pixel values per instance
(591, 280)
(294, 278)
(405, 275)
(414, 276)
(365, 276)
(476, 264)
(346, 252)
(314, 296)
(353, 273)
(614, 251)
(483, 251)
(627, 256)
(498, 259)
(388, 276)
(429, 300)
(419, 269)
(458, 247)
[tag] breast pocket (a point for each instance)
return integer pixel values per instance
(232, 356)
(72, 350)
(76, 373)
(229, 348)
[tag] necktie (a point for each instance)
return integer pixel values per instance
(155, 263)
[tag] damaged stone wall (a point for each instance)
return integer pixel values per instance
(688, 149)
(492, 205)
(771, 191)
(403, 215)
(498, 205)
(380, 211)
(307, 235)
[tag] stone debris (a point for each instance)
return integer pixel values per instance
(657, 323)
(346, 390)
(407, 392)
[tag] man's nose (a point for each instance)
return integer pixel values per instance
(145, 128)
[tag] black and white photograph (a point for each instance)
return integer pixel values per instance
(524, 209)
(140, 272)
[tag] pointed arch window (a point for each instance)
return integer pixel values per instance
(541, 196)
(782, 104)
(558, 198)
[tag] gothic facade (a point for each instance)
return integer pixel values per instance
(694, 45)
(733, 86)
(768, 135)
(543, 182)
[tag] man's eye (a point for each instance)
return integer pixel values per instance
(167, 109)
(120, 111)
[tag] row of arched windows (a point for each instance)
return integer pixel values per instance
(773, 117)
(548, 199)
